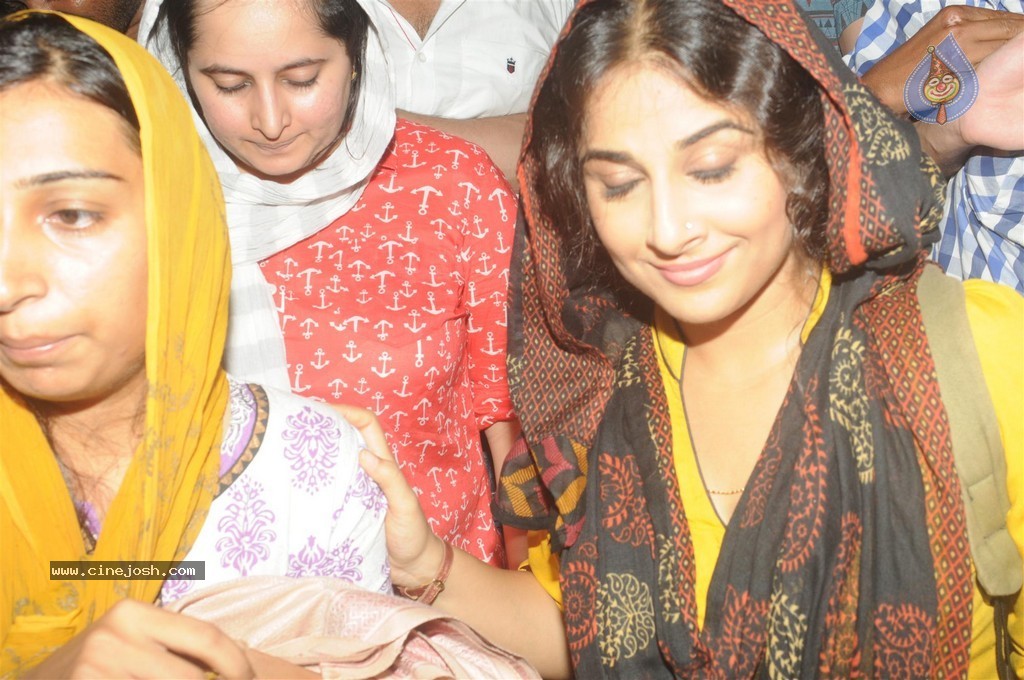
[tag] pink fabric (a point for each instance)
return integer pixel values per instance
(341, 631)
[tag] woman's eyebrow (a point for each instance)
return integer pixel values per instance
(63, 176)
(213, 69)
(706, 132)
(601, 155)
(703, 133)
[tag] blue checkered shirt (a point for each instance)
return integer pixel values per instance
(983, 225)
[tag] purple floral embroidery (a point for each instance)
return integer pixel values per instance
(246, 528)
(174, 589)
(312, 448)
(340, 561)
(364, 490)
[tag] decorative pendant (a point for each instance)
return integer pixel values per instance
(943, 85)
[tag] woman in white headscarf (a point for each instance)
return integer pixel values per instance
(371, 256)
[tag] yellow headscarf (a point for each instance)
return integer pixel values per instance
(167, 490)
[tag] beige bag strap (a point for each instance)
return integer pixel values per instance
(977, 447)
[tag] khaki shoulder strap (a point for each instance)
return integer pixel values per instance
(977, 447)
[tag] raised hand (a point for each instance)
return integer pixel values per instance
(413, 549)
(996, 119)
(978, 31)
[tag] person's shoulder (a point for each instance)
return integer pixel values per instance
(427, 136)
(995, 314)
(295, 412)
(464, 160)
(995, 310)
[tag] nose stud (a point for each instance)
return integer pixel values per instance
(689, 226)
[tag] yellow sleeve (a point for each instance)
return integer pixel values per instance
(996, 316)
(543, 564)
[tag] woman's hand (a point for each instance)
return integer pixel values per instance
(413, 549)
(139, 640)
(509, 608)
(994, 120)
(978, 31)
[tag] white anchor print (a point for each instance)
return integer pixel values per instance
(383, 371)
(320, 245)
(427, 192)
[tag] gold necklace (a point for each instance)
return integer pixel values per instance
(730, 492)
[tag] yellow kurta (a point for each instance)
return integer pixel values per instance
(996, 317)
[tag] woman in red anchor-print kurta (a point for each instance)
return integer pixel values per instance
(399, 306)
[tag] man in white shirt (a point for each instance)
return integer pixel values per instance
(468, 67)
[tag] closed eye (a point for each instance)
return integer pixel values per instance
(230, 89)
(615, 191)
(304, 84)
(714, 175)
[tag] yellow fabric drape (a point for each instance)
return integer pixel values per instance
(169, 485)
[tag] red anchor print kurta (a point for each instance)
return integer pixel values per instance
(399, 306)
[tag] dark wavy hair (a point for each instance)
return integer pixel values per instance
(715, 52)
(343, 20)
(46, 47)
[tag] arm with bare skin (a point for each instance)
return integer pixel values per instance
(978, 31)
(500, 136)
(139, 640)
(848, 38)
(995, 120)
(487, 598)
(992, 40)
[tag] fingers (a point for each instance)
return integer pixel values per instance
(188, 638)
(136, 639)
(150, 659)
(980, 38)
(958, 15)
(208, 645)
(977, 30)
(386, 473)
(366, 422)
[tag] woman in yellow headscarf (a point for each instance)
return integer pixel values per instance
(119, 428)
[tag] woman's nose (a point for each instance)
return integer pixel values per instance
(674, 226)
(21, 276)
(270, 114)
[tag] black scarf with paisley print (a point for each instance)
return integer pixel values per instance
(847, 554)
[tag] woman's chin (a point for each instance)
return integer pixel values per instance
(280, 172)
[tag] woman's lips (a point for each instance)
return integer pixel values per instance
(275, 147)
(693, 273)
(34, 350)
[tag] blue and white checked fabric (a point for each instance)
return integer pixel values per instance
(983, 225)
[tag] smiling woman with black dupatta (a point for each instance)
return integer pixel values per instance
(736, 400)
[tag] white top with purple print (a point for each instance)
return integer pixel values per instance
(293, 499)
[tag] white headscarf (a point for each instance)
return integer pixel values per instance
(265, 217)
